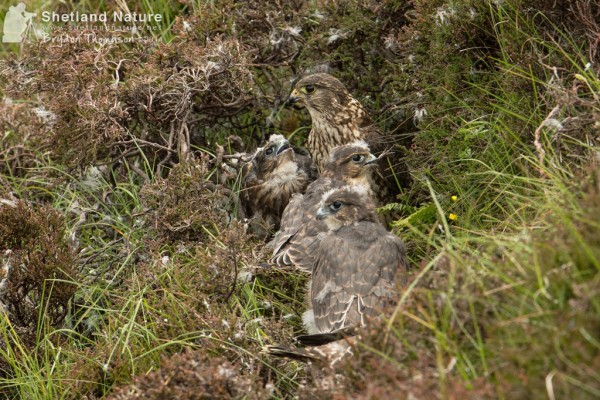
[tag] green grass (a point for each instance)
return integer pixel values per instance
(126, 329)
(523, 249)
(502, 302)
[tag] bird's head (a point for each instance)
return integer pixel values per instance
(351, 162)
(274, 154)
(345, 206)
(319, 93)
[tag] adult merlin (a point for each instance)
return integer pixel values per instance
(339, 119)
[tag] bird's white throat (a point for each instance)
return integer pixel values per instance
(284, 174)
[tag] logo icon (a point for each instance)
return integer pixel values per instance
(16, 23)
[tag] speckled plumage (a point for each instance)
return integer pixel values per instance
(338, 119)
(272, 176)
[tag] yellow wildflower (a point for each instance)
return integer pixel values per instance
(454, 198)
(453, 216)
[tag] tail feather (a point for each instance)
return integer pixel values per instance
(320, 339)
(330, 353)
(292, 352)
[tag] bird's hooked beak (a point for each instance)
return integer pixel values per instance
(371, 160)
(322, 213)
(284, 152)
(283, 146)
(295, 100)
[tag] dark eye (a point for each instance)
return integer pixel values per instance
(309, 88)
(357, 158)
(336, 205)
(270, 150)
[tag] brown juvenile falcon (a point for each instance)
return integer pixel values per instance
(337, 119)
(297, 241)
(358, 265)
(275, 173)
(358, 268)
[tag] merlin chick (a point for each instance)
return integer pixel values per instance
(297, 241)
(358, 266)
(275, 173)
(358, 269)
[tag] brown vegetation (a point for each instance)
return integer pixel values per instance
(121, 161)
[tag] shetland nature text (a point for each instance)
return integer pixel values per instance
(117, 16)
